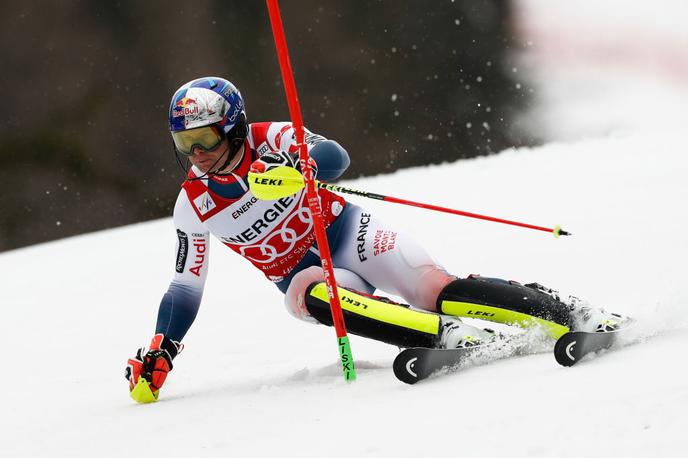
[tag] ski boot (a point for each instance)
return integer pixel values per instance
(584, 317)
(454, 333)
(589, 319)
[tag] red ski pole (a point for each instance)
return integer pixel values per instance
(285, 181)
(556, 230)
(311, 193)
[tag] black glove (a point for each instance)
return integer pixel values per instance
(274, 159)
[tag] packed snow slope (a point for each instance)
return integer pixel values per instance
(253, 381)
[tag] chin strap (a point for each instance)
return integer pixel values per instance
(233, 149)
(208, 174)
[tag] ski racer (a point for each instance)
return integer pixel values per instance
(207, 120)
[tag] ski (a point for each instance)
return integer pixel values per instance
(573, 346)
(412, 365)
(415, 364)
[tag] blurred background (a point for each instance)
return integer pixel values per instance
(84, 143)
(83, 135)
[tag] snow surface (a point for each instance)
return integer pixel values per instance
(255, 382)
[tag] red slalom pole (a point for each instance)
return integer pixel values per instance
(311, 193)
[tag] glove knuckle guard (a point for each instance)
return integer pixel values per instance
(155, 364)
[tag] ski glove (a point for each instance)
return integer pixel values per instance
(154, 364)
(272, 160)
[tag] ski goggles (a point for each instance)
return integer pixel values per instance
(207, 138)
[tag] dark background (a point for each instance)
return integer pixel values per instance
(86, 85)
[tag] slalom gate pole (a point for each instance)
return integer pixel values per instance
(311, 193)
(556, 230)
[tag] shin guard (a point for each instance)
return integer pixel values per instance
(506, 302)
(376, 318)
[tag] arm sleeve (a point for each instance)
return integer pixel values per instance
(180, 304)
(331, 158)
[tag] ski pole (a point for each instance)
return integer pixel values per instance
(285, 181)
(307, 179)
(556, 230)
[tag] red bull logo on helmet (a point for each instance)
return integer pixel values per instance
(185, 107)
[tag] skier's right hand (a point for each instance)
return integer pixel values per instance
(274, 159)
(153, 365)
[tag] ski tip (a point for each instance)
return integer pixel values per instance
(565, 351)
(142, 392)
(405, 367)
(573, 346)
